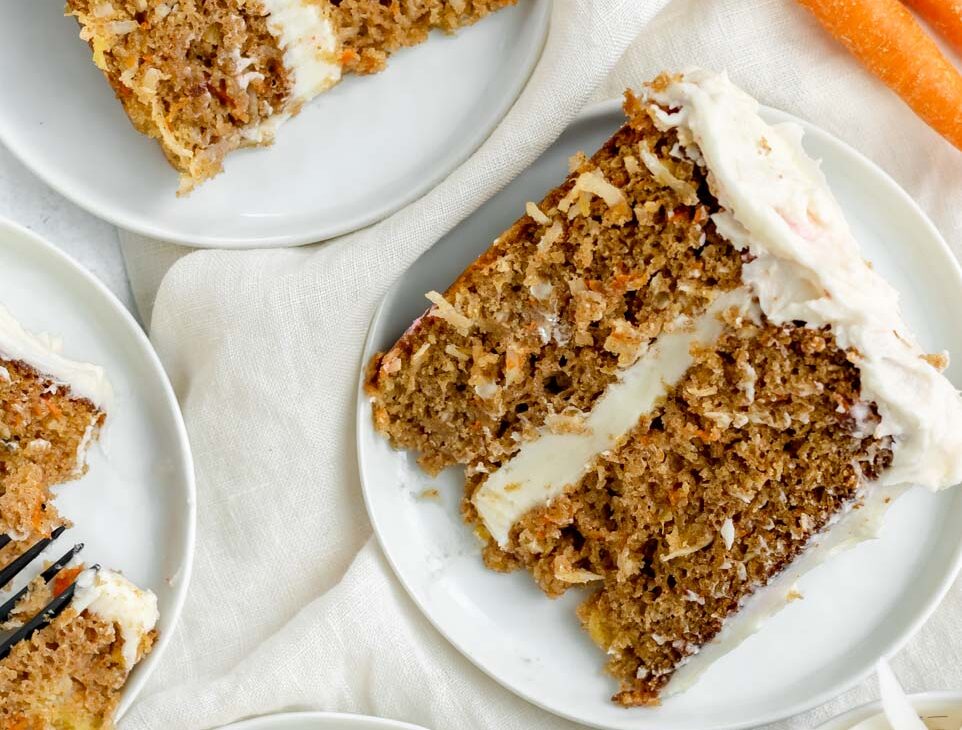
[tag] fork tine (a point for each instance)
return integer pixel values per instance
(11, 571)
(4, 539)
(48, 575)
(44, 617)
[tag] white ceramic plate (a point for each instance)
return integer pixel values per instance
(939, 710)
(863, 604)
(320, 721)
(353, 156)
(134, 509)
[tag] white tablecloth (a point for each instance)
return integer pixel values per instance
(263, 348)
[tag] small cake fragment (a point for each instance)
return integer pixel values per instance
(70, 673)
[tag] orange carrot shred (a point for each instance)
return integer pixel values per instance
(64, 578)
(945, 16)
(887, 39)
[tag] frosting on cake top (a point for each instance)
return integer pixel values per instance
(43, 353)
(807, 266)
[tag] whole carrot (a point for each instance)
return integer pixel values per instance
(887, 39)
(944, 15)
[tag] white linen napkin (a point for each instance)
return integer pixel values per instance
(292, 606)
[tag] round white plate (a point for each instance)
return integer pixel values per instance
(320, 721)
(939, 710)
(353, 156)
(863, 604)
(134, 509)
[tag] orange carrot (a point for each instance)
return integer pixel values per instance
(944, 15)
(65, 578)
(887, 39)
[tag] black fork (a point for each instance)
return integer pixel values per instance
(10, 638)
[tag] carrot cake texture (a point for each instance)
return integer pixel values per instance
(51, 411)
(674, 382)
(205, 77)
(69, 674)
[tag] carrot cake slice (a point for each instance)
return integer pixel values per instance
(673, 382)
(69, 674)
(204, 78)
(51, 411)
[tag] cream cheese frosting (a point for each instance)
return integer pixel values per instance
(43, 353)
(807, 266)
(116, 600)
(305, 33)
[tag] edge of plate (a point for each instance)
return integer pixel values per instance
(145, 668)
(602, 109)
(344, 719)
(542, 14)
(858, 714)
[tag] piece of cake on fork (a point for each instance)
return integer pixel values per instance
(675, 382)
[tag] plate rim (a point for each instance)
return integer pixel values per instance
(347, 718)
(870, 709)
(593, 112)
(133, 687)
(132, 222)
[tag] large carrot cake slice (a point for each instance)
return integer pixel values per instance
(205, 77)
(51, 411)
(67, 674)
(674, 381)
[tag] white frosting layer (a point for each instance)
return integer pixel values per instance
(115, 599)
(306, 34)
(42, 353)
(543, 468)
(808, 267)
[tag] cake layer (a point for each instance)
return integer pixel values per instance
(532, 333)
(371, 30)
(70, 673)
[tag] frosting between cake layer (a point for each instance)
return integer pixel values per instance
(42, 353)
(807, 266)
(305, 32)
(543, 468)
(115, 599)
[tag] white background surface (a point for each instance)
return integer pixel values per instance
(92, 242)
